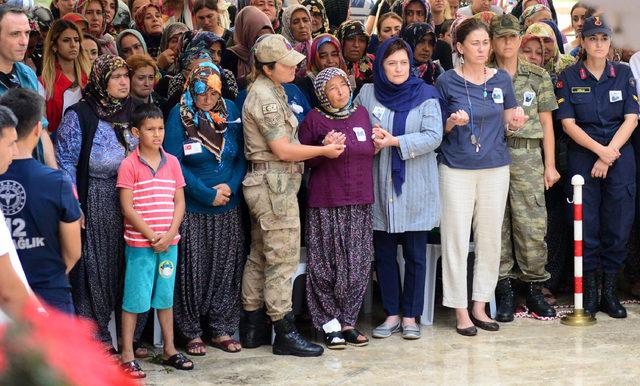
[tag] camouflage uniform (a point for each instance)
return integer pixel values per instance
(270, 189)
(525, 221)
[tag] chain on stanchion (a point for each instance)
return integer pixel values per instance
(578, 317)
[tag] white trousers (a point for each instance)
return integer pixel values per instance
(471, 198)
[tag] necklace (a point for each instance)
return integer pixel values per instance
(475, 138)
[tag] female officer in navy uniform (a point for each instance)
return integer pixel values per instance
(598, 108)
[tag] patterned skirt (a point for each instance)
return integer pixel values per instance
(211, 257)
(339, 249)
(96, 280)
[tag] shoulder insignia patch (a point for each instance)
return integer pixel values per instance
(269, 108)
(559, 84)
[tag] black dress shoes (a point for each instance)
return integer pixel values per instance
(487, 326)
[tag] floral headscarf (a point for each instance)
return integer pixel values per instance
(454, 27)
(424, 3)
(140, 14)
(363, 69)
(413, 35)
(485, 16)
(532, 10)
(95, 93)
(319, 85)
(542, 32)
(314, 7)
(313, 56)
(207, 127)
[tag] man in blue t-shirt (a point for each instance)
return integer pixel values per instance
(40, 207)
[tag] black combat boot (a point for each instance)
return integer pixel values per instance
(536, 302)
(289, 341)
(255, 329)
(590, 292)
(506, 301)
(609, 302)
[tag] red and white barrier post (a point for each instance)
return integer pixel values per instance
(578, 317)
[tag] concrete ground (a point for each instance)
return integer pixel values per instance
(525, 352)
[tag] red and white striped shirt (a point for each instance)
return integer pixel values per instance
(153, 194)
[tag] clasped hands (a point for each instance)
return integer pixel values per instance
(606, 157)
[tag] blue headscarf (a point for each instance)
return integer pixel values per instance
(400, 98)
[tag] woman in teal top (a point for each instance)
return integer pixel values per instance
(205, 134)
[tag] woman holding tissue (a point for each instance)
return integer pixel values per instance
(474, 172)
(339, 229)
(407, 126)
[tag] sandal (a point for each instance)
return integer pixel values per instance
(192, 348)
(351, 336)
(225, 345)
(139, 351)
(133, 370)
(178, 361)
(335, 340)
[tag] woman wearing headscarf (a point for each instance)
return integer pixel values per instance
(217, 47)
(407, 123)
(415, 11)
(250, 24)
(534, 14)
(130, 42)
(325, 52)
(553, 61)
(204, 133)
(149, 22)
(94, 12)
(93, 139)
(421, 37)
(354, 41)
(339, 229)
(169, 47)
(319, 20)
(296, 28)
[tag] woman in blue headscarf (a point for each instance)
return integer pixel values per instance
(204, 132)
(407, 125)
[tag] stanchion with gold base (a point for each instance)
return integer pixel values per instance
(578, 317)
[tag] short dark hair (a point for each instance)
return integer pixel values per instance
(201, 4)
(88, 36)
(144, 112)
(396, 46)
(5, 9)
(27, 107)
(445, 26)
(7, 119)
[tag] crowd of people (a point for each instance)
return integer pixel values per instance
(174, 156)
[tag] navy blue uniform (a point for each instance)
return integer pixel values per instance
(599, 107)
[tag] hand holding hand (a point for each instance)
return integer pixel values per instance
(459, 118)
(518, 119)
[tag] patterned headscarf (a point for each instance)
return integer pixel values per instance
(314, 7)
(140, 14)
(542, 32)
(485, 16)
(313, 56)
(424, 3)
(454, 26)
(95, 93)
(208, 127)
(319, 85)
(413, 35)
(532, 10)
(363, 69)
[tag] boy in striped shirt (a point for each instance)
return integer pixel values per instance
(152, 199)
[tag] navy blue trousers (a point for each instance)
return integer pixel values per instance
(414, 250)
(608, 208)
